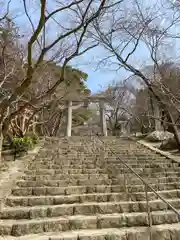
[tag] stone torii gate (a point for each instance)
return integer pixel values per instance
(70, 108)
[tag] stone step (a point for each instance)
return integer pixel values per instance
(159, 174)
(58, 170)
(101, 165)
(159, 232)
(68, 170)
(116, 167)
(80, 176)
(57, 224)
(65, 176)
(91, 168)
(66, 164)
(89, 197)
(79, 168)
(91, 208)
(64, 183)
(84, 160)
(64, 160)
(134, 153)
(37, 191)
(94, 181)
(144, 171)
(145, 165)
(150, 180)
(131, 149)
(96, 155)
(94, 167)
(143, 158)
(60, 199)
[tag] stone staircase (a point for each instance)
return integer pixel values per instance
(86, 130)
(75, 189)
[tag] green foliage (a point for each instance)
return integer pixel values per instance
(75, 80)
(29, 141)
(33, 137)
(23, 144)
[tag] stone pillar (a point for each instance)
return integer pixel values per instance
(102, 118)
(69, 118)
(125, 128)
(128, 127)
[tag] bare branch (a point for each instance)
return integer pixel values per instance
(7, 12)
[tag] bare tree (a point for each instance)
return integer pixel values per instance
(21, 66)
(124, 36)
(118, 98)
(71, 40)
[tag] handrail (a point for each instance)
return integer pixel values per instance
(145, 183)
(147, 186)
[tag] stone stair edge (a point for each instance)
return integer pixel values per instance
(93, 233)
(86, 209)
(79, 222)
(16, 170)
(64, 190)
(6, 208)
(98, 216)
(87, 194)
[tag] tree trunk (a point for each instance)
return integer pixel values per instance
(173, 128)
(170, 119)
(1, 142)
(157, 116)
(58, 125)
(163, 118)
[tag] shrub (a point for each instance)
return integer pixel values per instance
(23, 144)
(29, 141)
(33, 137)
(20, 145)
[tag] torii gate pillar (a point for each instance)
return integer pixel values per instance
(69, 119)
(102, 118)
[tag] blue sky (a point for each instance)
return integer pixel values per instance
(104, 75)
(88, 62)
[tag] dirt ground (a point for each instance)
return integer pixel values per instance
(3, 166)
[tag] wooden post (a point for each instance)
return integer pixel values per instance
(69, 119)
(102, 118)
